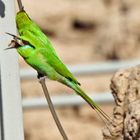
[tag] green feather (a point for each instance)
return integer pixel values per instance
(40, 54)
(30, 32)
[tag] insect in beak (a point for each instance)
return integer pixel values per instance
(15, 43)
(12, 45)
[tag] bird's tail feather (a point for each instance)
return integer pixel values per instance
(80, 92)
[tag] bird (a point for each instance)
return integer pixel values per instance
(37, 51)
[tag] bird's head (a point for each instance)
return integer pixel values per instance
(23, 47)
(15, 43)
(22, 20)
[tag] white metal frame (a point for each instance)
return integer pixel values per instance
(66, 100)
(11, 107)
(86, 69)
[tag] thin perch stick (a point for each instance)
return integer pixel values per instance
(20, 5)
(51, 107)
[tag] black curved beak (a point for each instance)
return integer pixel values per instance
(14, 36)
(13, 44)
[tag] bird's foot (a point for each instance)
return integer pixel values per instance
(41, 77)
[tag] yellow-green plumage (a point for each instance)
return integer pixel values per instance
(30, 32)
(40, 54)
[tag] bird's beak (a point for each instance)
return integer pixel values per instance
(14, 43)
(14, 36)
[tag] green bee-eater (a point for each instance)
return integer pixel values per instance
(38, 52)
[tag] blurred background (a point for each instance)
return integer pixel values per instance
(82, 32)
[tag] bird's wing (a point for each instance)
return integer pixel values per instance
(41, 42)
(35, 36)
(59, 66)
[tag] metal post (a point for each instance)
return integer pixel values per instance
(10, 96)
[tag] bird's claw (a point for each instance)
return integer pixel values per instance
(40, 79)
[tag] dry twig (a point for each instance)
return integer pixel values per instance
(51, 107)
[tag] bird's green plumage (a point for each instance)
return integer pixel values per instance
(30, 32)
(40, 54)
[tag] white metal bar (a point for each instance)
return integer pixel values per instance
(84, 69)
(65, 100)
(11, 111)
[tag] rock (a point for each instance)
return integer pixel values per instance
(125, 87)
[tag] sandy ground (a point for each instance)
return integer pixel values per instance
(81, 32)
